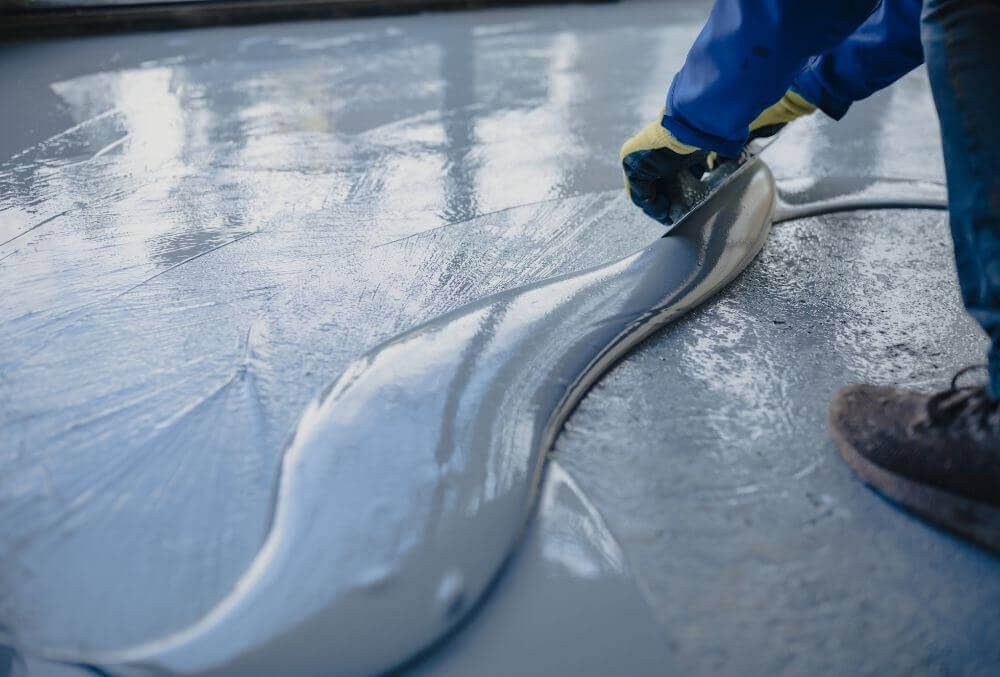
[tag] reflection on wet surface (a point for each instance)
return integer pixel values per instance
(202, 229)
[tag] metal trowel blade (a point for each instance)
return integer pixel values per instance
(688, 192)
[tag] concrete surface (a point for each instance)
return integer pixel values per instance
(201, 229)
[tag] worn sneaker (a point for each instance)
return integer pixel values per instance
(936, 455)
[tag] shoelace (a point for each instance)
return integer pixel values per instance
(946, 407)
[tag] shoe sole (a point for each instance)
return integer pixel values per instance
(978, 522)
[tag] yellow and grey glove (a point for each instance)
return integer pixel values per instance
(789, 107)
(651, 161)
(792, 105)
(653, 158)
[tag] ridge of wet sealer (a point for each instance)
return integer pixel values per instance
(805, 196)
(351, 585)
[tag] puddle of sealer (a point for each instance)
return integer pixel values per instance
(410, 479)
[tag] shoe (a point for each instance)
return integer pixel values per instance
(935, 455)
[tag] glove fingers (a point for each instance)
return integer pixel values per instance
(641, 179)
(648, 174)
(654, 163)
(648, 196)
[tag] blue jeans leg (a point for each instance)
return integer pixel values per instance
(962, 49)
(745, 58)
(885, 48)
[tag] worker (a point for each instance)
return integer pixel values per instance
(759, 64)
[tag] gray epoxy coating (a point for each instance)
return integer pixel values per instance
(227, 225)
(408, 482)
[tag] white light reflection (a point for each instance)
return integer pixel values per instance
(576, 536)
(525, 154)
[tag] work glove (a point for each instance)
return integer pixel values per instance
(792, 105)
(651, 161)
(771, 120)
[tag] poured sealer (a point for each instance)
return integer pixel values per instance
(811, 196)
(409, 480)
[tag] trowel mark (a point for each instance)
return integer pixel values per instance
(33, 227)
(365, 487)
(66, 132)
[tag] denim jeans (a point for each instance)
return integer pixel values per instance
(962, 47)
(751, 51)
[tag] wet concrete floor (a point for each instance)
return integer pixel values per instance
(201, 229)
